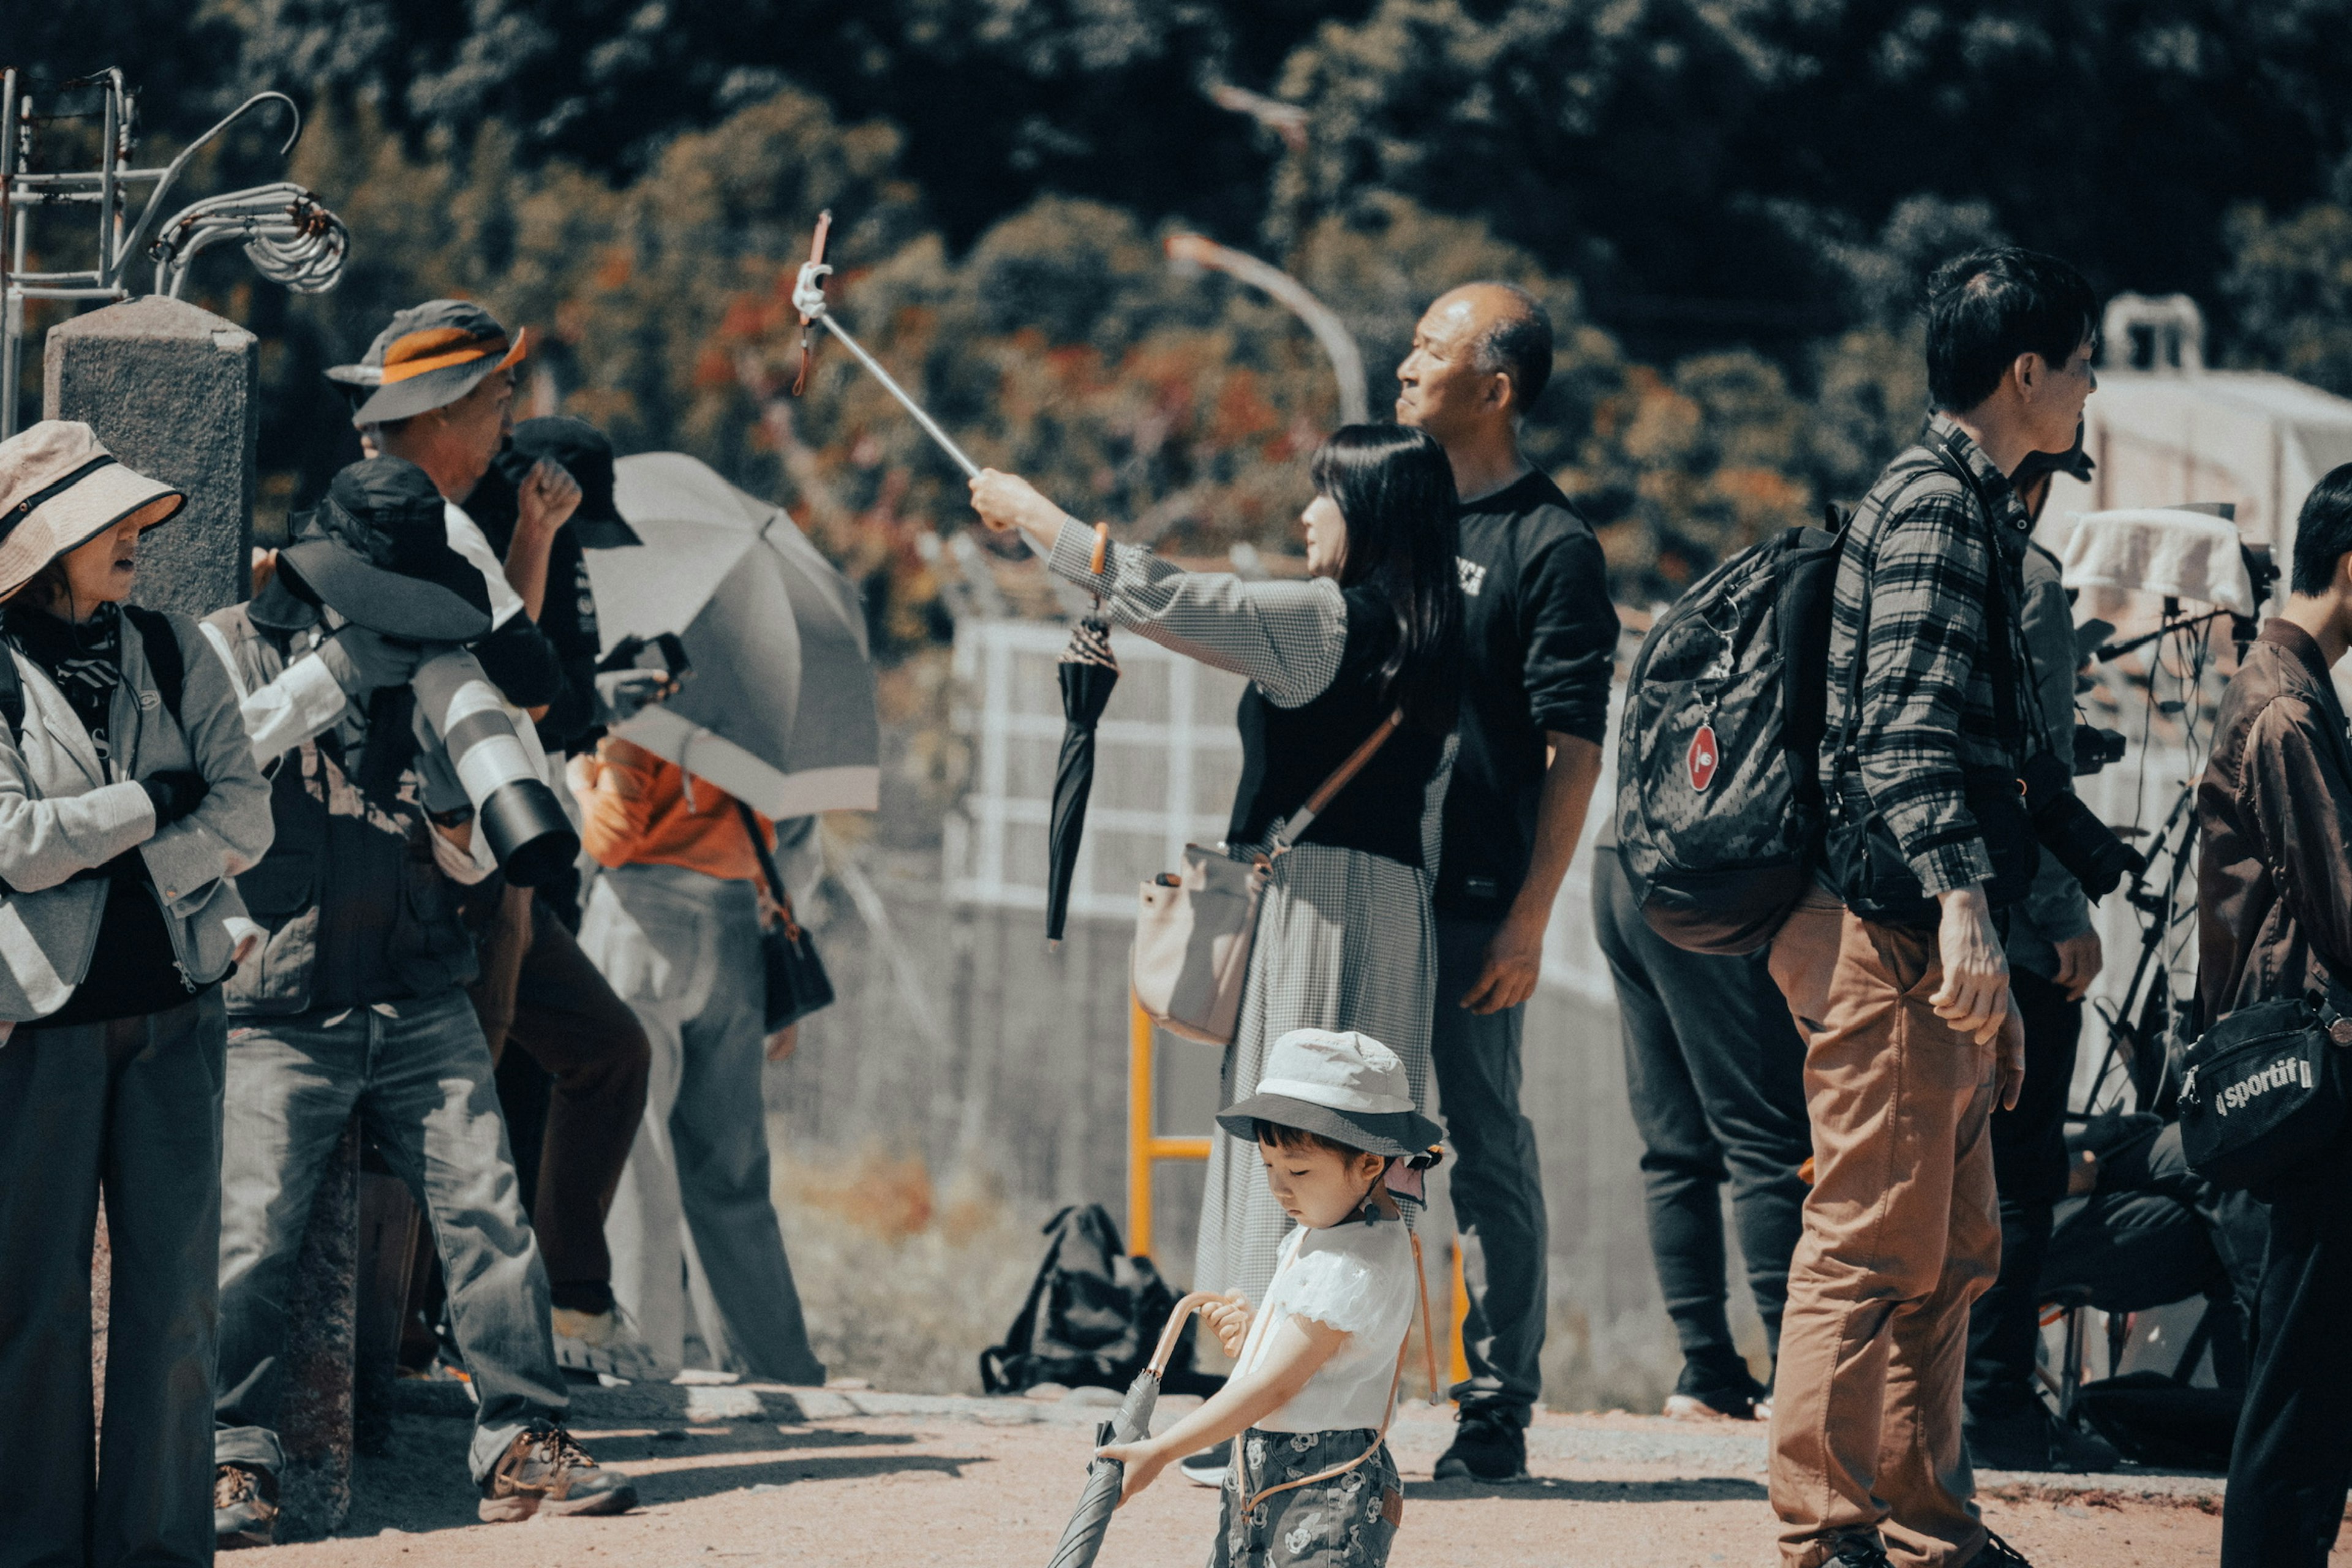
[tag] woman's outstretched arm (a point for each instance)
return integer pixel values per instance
(1285, 636)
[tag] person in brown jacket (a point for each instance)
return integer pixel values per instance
(2274, 918)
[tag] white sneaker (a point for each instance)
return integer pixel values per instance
(601, 1343)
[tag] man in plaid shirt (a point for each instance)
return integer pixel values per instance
(1909, 1032)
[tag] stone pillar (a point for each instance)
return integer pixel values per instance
(314, 1422)
(172, 390)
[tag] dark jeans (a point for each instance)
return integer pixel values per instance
(134, 1104)
(2156, 1232)
(2029, 1171)
(2293, 1463)
(419, 1074)
(557, 1011)
(1497, 1186)
(1715, 1072)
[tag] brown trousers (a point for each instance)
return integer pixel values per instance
(1901, 1234)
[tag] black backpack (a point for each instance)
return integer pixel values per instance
(156, 637)
(1093, 1316)
(1719, 812)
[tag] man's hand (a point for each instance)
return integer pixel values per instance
(1228, 1320)
(362, 661)
(265, 567)
(1514, 962)
(2079, 963)
(1007, 501)
(784, 1042)
(1144, 1461)
(2008, 1065)
(549, 497)
(623, 694)
(1974, 996)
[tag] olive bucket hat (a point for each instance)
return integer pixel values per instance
(1344, 1085)
(431, 355)
(60, 488)
(376, 551)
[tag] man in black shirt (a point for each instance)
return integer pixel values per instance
(1542, 638)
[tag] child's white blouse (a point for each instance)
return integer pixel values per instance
(1356, 1278)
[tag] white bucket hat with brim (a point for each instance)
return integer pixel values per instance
(1344, 1085)
(60, 488)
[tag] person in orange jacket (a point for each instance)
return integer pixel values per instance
(673, 921)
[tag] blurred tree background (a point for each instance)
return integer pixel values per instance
(1728, 207)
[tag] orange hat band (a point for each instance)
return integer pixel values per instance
(465, 351)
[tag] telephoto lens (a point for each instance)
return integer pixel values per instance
(2086, 847)
(514, 808)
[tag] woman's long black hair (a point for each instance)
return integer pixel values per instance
(1395, 492)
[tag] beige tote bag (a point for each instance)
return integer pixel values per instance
(1193, 932)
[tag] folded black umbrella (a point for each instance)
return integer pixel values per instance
(1088, 671)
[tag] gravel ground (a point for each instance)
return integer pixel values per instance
(862, 1481)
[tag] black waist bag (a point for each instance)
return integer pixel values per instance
(1875, 879)
(2264, 1090)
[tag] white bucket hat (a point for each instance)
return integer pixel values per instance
(1347, 1087)
(60, 488)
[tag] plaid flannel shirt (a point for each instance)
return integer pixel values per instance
(1919, 540)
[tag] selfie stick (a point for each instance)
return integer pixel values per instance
(808, 297)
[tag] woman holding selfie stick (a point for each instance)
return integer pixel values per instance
(1344, 938)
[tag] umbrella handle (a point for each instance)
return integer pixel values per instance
(1184, 1308)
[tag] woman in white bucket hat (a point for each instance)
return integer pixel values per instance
(129, 798)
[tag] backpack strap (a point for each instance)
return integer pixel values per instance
(166, 656)
(12, 688)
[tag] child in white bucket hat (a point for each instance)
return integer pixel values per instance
(1317, 1365)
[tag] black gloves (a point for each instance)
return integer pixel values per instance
(174, 794)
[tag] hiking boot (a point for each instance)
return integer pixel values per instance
(544, 1468)
(602, 1344)
(244, 1508)
(1861, 1552)
(1207, 1467)
(2033, 1438)
(1484, 1448)
(1997, 1554)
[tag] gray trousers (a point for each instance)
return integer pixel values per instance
(418, 1072)
(694, 1215)
(134, 1104)
(1497, 1185)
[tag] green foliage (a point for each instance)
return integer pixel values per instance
(2290, 289)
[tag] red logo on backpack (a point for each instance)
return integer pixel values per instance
(1703, 757)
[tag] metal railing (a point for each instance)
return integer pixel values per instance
(288, 235)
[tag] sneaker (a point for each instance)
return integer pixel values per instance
(244, 1508)
(1997, 1554)
(1484, 1448)
(1857, 1551)
(544, 1468)
(602, 1344)
(1207, 1467)
(2035, 1439)
(1699, 1396)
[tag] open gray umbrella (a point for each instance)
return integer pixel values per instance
(779, 710)
(1082, 1538)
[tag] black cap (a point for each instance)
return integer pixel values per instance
(586, 453)
(376, 551)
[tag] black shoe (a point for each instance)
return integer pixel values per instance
(1207, 1467)
(1997, 1554)
(1704, 1394)
(244, 1508)
(1484, 1448)
(2033, 1438)
(544, 1468)
(1857, 1551)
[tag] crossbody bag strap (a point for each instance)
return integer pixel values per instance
(1396, 1382)
(768, 869)
(1294, 828)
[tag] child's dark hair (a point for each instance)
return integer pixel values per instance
(1294, 1138)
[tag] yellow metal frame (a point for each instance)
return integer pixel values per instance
(1145, 1146)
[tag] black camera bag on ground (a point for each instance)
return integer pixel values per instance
(2264, 1090)
(1092, 1318)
